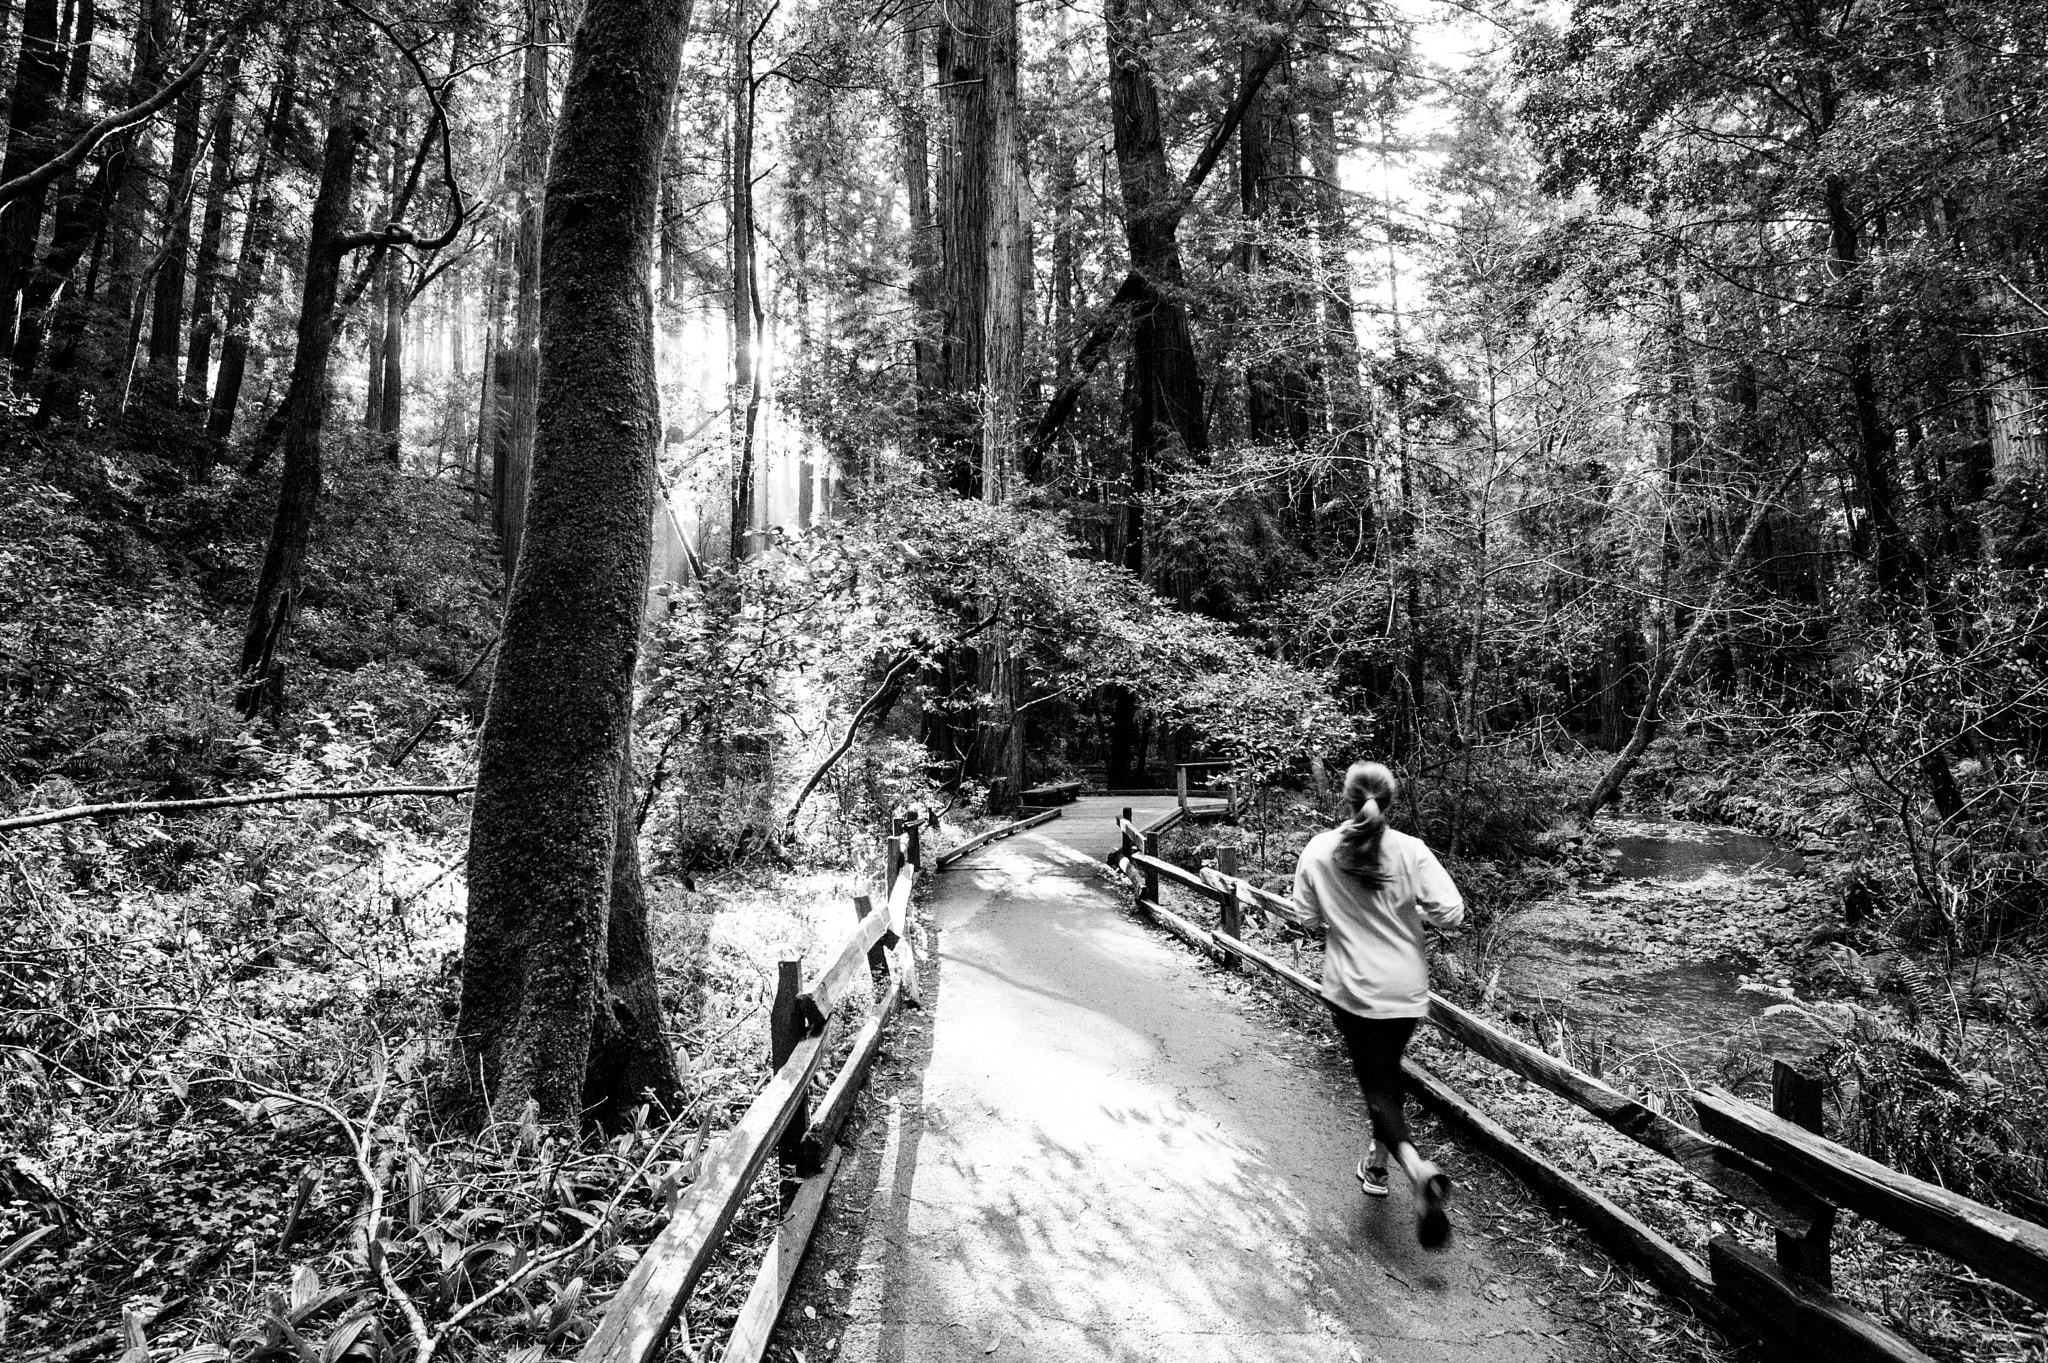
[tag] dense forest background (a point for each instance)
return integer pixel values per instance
(1571, 404)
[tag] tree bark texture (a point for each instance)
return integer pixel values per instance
(544, 836)
(531, 166)
(964, 48)
(258, 231)
(261, 669)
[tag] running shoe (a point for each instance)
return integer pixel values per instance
(1372, 1182)
(1433, 1226)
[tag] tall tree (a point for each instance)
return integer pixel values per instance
(258, 230)
(512, 475)
(540, 1018)
(206, 268)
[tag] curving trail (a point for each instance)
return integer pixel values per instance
(1108, 1156)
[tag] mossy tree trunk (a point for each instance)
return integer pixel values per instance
(541, 1022)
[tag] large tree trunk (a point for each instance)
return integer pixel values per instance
(966, 71)
(257, 233)
(206, 269)
(544, 839)
(999, 753)
(38, 82)
(1279, 379)
(1167, 415)
(261, 669)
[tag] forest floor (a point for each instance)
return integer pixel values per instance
(1098, 1146)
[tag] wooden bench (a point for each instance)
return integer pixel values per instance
(1053, 793)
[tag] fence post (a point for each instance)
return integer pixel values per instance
(878, 955)
(1796, 1097)
(1151, 849)
(1233, 911)
(1123, 833)
(913, 824)
(892, 856)
(1180, 786)
(785, 1029)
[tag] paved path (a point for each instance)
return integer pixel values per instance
(1106, 1160)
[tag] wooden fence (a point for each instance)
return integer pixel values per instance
(1774, 1163)
(782, 1120)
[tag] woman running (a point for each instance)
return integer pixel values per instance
(1371, 888)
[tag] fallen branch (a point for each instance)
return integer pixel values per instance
(265, 797)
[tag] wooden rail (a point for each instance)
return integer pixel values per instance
(1792, 1177)
(951, 855)
(1180, 787)
(637, 1321)
(1996, 1244)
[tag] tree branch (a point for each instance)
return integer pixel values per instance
(397, 233)
(119, 121)
(267, 797)
(868, 707)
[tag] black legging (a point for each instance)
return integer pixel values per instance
(1376, 1045)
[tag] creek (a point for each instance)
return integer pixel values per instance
(1656, 974)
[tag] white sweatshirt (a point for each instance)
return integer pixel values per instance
(1373, 960)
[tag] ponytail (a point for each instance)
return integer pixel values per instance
(1368, 789)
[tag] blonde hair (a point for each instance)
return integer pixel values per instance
(1369, 790)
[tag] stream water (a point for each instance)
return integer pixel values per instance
(1642, 974)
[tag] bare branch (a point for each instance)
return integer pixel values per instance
(119, 121)
(267, 797)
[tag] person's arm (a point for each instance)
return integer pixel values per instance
(1304, 910)
(1436, 894)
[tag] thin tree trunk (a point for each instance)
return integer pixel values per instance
(261, 670)
(490, 411)
(745, 403)
(206, 270)
(538, 1022)
(110, 350)
(257, 233)
(917, 190)
(1672, 665)
(531, 166)
(391, 415)
(167, 313)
